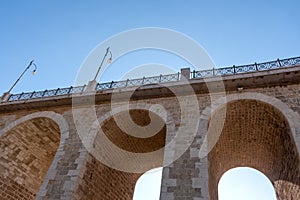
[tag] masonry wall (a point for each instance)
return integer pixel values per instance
(102, 182)
(26, 153)
(185, 178)
(98, 178)
(11, 190)
(254, 135)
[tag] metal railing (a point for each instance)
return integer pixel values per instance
(139, 81)
(47, 93)
(246, 68)
(160, 79)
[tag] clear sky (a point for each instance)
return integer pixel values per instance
(241, 183)
(248, 184)
(59, 34)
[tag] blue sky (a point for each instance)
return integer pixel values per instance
(248, 184)
(241, 183)
(60, 34)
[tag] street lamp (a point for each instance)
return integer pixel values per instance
(93, 84)
(6, 95)
(109, 61)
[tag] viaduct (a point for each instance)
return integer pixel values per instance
(95, 141)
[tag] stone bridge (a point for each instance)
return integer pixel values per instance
(92, 142)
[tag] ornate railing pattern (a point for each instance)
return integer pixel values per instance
(160, 79)
(47, 93)
(139, 81)
(246, 68)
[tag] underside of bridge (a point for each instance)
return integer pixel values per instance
(254, 134)
(116, 178)
(26, 153)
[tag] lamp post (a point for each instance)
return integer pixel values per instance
(109, 61)
(6, 95)
(92, 84)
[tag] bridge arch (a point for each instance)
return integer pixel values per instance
(245, 183)
(29, 154)
(252, 130)
(119, 171)
(142, 188)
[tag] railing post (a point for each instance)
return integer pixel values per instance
(126, 82)
(56, 91)
(234, 70)
(70, 89)
(44, 93)
(256, 67)
(185, 74)
(31, 94)
(279, 62)
(5, 96)
(213, 70)
(20, 95)
(84, 86)
(160, 78)
(111, 84)
(91, 86)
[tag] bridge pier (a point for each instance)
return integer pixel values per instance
(53, 148)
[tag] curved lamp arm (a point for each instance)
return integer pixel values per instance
(33, 72)
(109, 61)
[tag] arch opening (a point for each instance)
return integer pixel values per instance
(148, 185)
(26, 153)
(107, 180)
(255, 134)
(245, 183)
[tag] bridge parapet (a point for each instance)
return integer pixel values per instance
(262, 106)
(214, 72)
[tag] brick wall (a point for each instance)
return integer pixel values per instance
(254, 135)
(271, 112)
(99, 178)
(102, 182)
(264, 123)
(11, 190)
(26, 153)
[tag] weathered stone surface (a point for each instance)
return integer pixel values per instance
(42, 154)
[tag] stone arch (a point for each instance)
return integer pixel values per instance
(283, 124)
(142, 188)
(237, 183)
(32, 146)
(103, 179)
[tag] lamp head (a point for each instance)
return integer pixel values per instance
(33, 71)
(110, 58)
